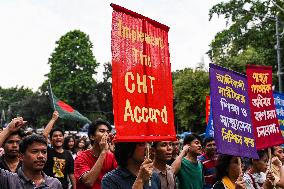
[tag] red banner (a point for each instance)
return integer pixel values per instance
(264, 118)
(141, 78)
(207, 108)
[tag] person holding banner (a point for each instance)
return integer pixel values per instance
(228, 173)
(277, 168)
(134, 170)
(186, 166)
(256, 177)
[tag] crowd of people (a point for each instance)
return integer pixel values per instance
(55, 161)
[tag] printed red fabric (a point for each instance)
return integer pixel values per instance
(263, 113)
(141, 78)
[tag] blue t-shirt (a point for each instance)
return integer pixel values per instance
(122, 178)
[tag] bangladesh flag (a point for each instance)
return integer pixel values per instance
(65, 111)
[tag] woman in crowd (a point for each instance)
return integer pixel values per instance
(69, 144)
(228, 173)
(81, 145)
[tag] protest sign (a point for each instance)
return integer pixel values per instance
(265, 123)
(233, 130)
(141, 78)
(279, 105)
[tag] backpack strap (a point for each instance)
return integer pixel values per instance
(253, 181)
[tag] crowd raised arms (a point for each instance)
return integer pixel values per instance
(188, 163)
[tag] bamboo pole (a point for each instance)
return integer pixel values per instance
(240, 165)
(148, 157)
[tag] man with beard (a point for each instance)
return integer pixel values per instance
(60, 163)
(33, 154)
(10, 141)
(208, 159)
(134, 171)
(162, 152)
(186, 166)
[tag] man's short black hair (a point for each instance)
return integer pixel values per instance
(191, 137)
(29, 140)
(206, 140)
(54, 130)
(94, 125)
(123, 151)
(20, 133)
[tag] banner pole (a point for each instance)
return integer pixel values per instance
(269, 157)
(148, 157)
(240, 165)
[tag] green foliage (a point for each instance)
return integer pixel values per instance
(103, 93)
(72, 67)
(250, 34)
(35, 109)
(190, 90)
(13, 95)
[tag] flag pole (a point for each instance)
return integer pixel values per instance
(51, 93)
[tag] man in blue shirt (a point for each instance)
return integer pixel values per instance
(134, 171)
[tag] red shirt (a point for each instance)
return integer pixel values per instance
(84, 163)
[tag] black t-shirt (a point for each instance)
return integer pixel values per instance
(4, 166)
(59, 165)
(218, 185)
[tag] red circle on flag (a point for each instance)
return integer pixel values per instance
(65, 106)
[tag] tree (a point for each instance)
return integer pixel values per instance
(104, 93)
(250, 34)
(11, 96)
(35, 109)
(190, 90)
(72, 67)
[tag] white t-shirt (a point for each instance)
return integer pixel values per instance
(254, 181)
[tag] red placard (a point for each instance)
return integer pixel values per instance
(141, 78)
(264, 118)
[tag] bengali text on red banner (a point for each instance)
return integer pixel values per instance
(265, 123)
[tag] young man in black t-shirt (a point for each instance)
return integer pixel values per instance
(60, 163)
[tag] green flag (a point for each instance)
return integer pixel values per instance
(65, 111)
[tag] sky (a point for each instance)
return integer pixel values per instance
(30, 28)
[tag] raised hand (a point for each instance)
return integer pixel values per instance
(146, 170)
(275, 161)
(55, 115)
(269, 180)
(184, 150)
(16, 124)
(104, 143)
(240, 183)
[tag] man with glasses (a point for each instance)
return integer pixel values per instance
(91, 165)
(176, 150)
